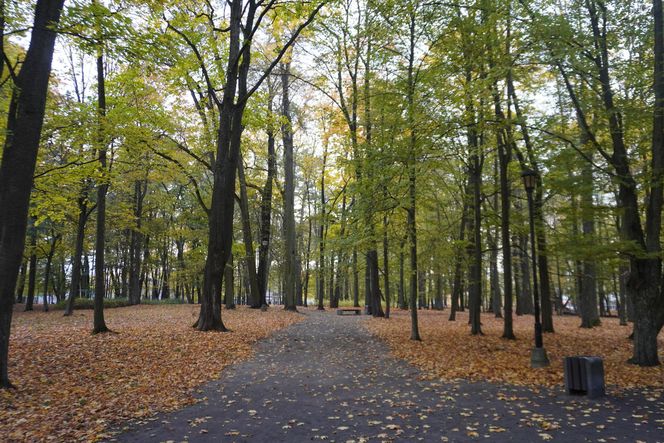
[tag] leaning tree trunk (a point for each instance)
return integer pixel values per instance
(19, 158)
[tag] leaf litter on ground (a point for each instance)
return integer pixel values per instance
(74, 386)
(448, 351)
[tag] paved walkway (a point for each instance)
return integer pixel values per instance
(326, 378)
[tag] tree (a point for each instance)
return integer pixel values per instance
(24, 123)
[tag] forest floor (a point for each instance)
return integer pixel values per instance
(72, 386)
(329, 378)
(448, 351)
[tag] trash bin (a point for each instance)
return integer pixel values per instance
(584, 376)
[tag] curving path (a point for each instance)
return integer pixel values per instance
(326, 378)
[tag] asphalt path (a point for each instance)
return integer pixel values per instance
(328, 379)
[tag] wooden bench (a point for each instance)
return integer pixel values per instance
(341, 311)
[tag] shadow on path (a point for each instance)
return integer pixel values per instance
(327, 378)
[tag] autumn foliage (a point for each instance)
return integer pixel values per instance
(73, 386)
(448, 351)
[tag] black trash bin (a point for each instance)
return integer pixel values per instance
(584, 376)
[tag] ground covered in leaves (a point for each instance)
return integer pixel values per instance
(72, 385)
(448, 351)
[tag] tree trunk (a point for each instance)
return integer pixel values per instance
(99, 325)
(74, 289)
(32, 272)
(622, 279)
(266, 210)
(136, 243)
(356, 281)
(401, 300)
(254, 291)
(494, 279)
(47, 269)
(457, 285)
(21, 281)
(19, 157)
(386, 268)
(229, 284)
(526, 295)
(374, 292)
(321, 235)
(290, 267)
(475, 247)
(588, 294)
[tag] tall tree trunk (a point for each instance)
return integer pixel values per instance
(401, 296)
(99, 325)
(19, 158)
(330, 281)
(623, 271)
(266, 211)
(494, 279)
(290, 267)
(47, 269)
(21, 281)
(526, 288)
(457, 285)
(83, 214)
(356, 281)
(32, 272)
(386, 268)
(136, 243)
(475, 247)
(229, 284)
(254, 291)
(542, 256)
(373, 280)
(229, 137)
(588, 295)
(321, 234)
(307, 255)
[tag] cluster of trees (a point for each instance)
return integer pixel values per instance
(373, 150)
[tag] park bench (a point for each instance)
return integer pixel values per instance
(342, 311)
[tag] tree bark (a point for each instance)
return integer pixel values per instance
(457, 285)
(21, 281)
(83, 214)
(47, 268)
(136, 243)
(99, 325)
(266, 211)
(229, 284)
(290, 267)
(254, 292)
(32, 272)
(19, 157)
